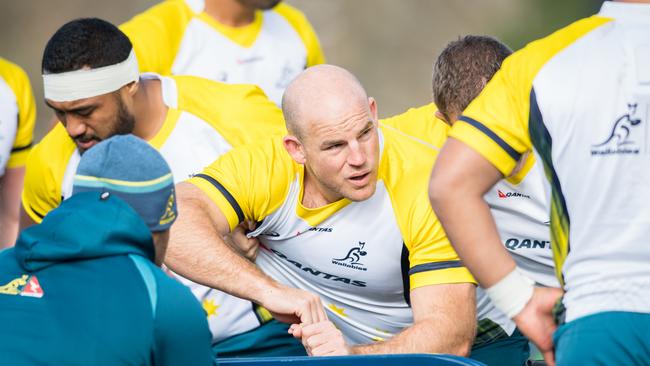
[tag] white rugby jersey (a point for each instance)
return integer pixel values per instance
(17, 116)
(8, 123)
(178, 37)
(204, 120)
(361, 258)
(580, 97)
(520, 207)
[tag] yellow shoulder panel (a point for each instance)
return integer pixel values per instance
(249, 182)
(422, 124)
(304, 29)
(44, 173)
(18, 81)
(241, 113)
(496, 123)
(156, 35)
(405, 168)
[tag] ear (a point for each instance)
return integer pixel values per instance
(132, 88)
(294, 148)
(372, 103)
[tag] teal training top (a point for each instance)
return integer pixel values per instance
(81, 289)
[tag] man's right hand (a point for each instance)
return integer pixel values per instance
(321, 339)
(536, 321)
(237, 239)
(293, 306)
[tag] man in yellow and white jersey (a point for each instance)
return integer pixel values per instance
(341, 210)
(579, 98)
(190, 120)
(518, 202)
(17, 118)
(233, 41)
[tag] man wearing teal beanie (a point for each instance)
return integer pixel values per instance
(81, 288)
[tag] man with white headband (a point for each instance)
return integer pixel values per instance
(92, 83)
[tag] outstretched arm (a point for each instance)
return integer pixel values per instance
(444, 321)
(198, 252)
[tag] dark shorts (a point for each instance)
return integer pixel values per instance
(504, 351)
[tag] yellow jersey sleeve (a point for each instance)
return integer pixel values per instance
(241, 113)
(18, 81)
(249, 182)
(432, 259)
(156, 35)
(496, 123)
(421, 124)
(299, 22)
(45, 169)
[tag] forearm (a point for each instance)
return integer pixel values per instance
(444, 321)
(480, 248)
(198, 252)
(8, 226)
(10, 186)
(459, 180)
(423, 337)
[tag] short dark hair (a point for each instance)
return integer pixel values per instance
(85, 42)
(463, 68)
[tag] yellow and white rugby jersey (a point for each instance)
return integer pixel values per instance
(580, 97)
(204, 120)
(17, 116)
(519, 205)
(361, 258)
(178, 37)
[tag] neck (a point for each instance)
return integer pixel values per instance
(149, 109)
(229, 12)
(314, 194)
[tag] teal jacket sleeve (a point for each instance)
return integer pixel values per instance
(182, 336)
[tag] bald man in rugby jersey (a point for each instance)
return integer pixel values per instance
(341, 210)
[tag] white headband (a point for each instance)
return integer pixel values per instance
(80, 84)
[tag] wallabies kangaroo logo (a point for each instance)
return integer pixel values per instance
(354, 255)
(621, 130)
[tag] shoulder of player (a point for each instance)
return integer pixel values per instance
(197, 91)
(218, 104)
(410, 151)
(54, 149)
(405, 164)
(532, 57)
(162, 23)
(420, 124)
(15, 77)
